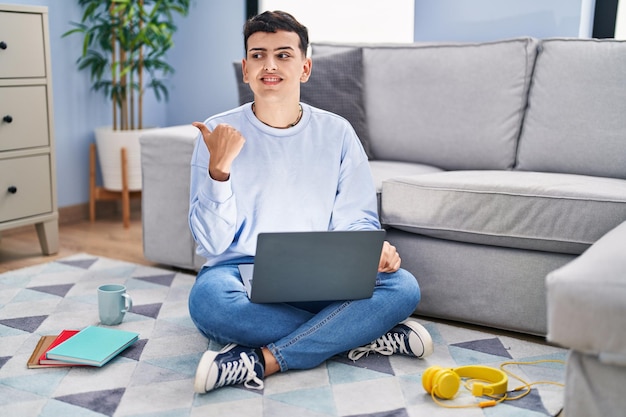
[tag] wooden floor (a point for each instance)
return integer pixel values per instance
(105, 237)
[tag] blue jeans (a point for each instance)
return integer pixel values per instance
(299, 335)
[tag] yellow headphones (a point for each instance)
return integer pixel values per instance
(445, 382)
(484, 381)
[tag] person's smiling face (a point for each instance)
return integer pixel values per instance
(275, 66)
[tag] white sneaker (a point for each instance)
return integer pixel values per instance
(232, 365)
(407, 338)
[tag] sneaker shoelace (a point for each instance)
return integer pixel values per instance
(385, 345)
(239, 371)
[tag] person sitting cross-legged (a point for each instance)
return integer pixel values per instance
(277, 164)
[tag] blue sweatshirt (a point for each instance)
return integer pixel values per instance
(313, 176)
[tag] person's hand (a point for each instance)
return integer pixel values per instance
(224, 144)
(389, 259)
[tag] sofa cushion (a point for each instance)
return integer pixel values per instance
(384, 170)
(540, 211)
(454, 106)
(335, 85)
(587, 300)
(576, 118)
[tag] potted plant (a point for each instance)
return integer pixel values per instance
(124, 47)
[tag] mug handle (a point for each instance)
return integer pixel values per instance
(128, 303)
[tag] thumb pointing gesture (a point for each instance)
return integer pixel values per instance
(224, 144)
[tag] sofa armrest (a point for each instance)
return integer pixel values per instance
(165, 162)
(587, 300)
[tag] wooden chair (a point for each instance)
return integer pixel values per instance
(101, 194)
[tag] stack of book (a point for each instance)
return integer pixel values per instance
(92, 346)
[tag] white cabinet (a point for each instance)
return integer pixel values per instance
(27, 162)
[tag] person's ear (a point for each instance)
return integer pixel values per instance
(306, 70)
(244, 71)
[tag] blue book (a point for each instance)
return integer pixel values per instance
(93, 346)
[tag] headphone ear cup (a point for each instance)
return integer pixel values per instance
(446, 383)
(427, 378)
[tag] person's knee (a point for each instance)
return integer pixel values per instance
(205, 307)
(199, 311)
(413, 285)
(409, 288)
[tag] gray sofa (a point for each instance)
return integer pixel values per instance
(496, 164)
(587, 313)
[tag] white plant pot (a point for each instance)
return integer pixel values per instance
(109, 144)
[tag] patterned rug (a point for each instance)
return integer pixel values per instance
(154, 377)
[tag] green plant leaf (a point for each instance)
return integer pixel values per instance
(133, 27)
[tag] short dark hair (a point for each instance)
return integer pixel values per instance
(272, 22)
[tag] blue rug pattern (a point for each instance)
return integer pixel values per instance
(154, 377)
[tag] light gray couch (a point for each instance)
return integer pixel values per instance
(587, 313)
(496, 163)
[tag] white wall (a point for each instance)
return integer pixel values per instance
(438, 20)
(620, 24)
(483, 20)
(350, 20)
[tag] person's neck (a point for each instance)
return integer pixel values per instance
(278, 115)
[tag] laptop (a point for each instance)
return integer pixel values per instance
(313, 266)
